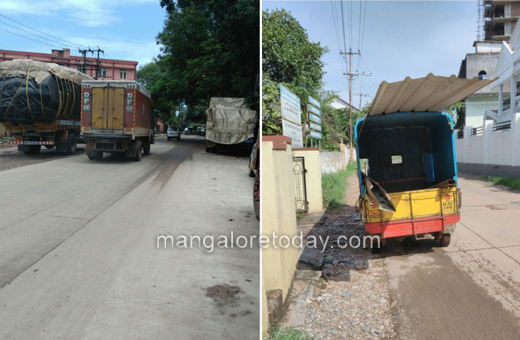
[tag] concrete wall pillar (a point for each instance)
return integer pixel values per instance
(500, 100)
(487, 130)
(515, 139)
(467, 134)
(513, 95)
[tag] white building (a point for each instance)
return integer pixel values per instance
(508, 84)
(480, 65)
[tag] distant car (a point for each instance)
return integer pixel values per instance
(174, 132)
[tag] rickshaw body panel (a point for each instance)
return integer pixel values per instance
(419, 208)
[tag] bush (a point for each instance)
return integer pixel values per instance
(288, 334)
(334, 187)
(513, 183)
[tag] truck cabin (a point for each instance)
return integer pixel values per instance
(407, 151)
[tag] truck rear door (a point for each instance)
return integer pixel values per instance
(108, 104)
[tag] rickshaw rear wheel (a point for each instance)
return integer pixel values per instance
(375, 247)
(445, 240)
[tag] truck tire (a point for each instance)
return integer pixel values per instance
(139, 150)
(146, 149)
(96, 156)
(71, 144)
(33, 150)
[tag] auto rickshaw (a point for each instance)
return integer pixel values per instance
(407, 166)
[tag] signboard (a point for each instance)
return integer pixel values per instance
(293, 131)
(314, 110)
(290, 106)
(314, 102)
(316, 134)
(315, 118)
(315, 126)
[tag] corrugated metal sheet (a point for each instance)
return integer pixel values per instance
(431, 93)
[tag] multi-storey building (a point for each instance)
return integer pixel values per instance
(105, 68)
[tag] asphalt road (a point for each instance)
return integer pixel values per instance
(471, 289)
(78, 253)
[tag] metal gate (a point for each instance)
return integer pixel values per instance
(300, 187)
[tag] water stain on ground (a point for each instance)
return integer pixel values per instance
(223, 295)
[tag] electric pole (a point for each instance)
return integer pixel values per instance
(361, 93)
(97, 61)
(84, 52)
(350, 75)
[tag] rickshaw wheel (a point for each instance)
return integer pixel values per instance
(375, 247)
(445, 240)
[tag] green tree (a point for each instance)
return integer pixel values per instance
(287, 54)
(454, 110)
(152, 77)
(210, 49)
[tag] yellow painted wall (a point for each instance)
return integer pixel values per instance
(312, 178)
(279, 217)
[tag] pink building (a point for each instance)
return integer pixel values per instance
(108, 68)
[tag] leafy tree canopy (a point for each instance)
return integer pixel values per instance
(210, 49)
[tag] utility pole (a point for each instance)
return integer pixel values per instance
(350, 75)
(97, 61)
(84, 52)
(361, 93)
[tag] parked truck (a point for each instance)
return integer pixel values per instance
(230, 123)
(40, 105)
(117, 117)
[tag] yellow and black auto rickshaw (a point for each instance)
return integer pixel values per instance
(406, 159)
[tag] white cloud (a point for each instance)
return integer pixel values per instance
(90, 13)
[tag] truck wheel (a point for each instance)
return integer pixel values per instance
(71, 144)
(139, 150)
(97, 156)
(33, 150)
(147, 149)
(445, 240)
(256, 195)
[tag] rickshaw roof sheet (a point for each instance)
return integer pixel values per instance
(430, 93)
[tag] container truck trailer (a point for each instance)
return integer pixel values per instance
(40, 105)
(116, 117)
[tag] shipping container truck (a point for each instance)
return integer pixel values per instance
(40, 105)
(117, 117)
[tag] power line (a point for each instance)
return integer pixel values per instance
(21, 29)
(41, 31)
(41, 42)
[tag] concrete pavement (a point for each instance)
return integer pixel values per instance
(78, 255)
(470, 290)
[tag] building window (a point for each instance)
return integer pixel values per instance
(482, 75)
(82, 69)
(122, 73)
(102, 72)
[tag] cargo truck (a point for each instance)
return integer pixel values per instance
(117, 118)
(230, 124)
(40, 105)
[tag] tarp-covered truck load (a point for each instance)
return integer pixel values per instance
(36, 92)
(229, 122)
(40, 104)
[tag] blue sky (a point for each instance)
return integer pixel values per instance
(403, 38)
(124, 29)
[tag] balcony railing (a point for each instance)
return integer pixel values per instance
(476, 131)
(460, 134)
(502, 126)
